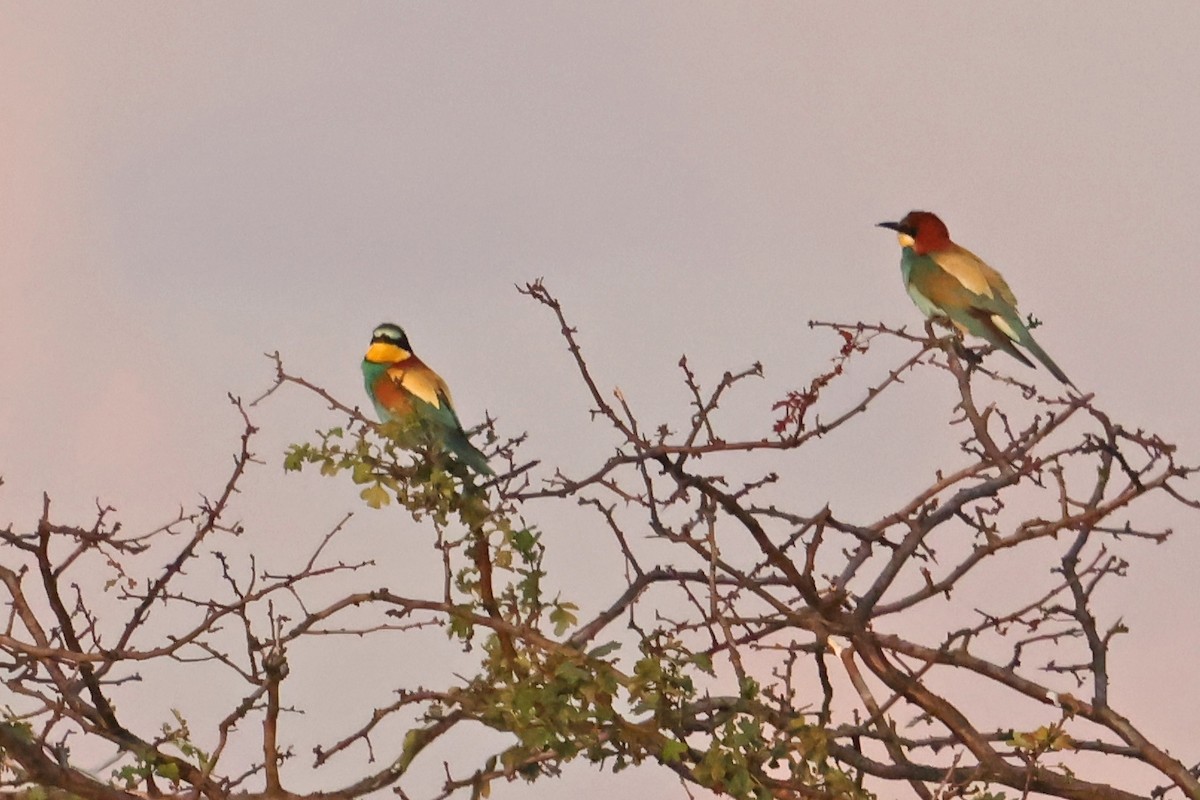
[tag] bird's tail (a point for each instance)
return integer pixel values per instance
(1004, 329)
(1020, 332)
(1028, 342)
(457, 443)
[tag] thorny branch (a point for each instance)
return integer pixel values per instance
(754, 639)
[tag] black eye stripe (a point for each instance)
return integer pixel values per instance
(390, 334)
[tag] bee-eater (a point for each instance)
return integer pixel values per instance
(403, 388)
(946, 280)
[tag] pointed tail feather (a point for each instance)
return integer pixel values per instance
(1020, 332)
(1032, 346)
(449, 432)
(457, 443)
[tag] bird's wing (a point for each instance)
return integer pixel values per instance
(976, 299)
(971, 271)
(419, 381)
(940, 288)
(414, 377)
(981, 314)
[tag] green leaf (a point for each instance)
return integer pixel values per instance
(362, 472)
(523, 541)
(168, 770)
(376, 496)
(604, 649)
(563, 617)
(673, 750)
(571, 674)
(23, 730)
(294, 460)
(414, 742)
(1023, 741)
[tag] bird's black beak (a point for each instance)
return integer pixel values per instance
(892, 226)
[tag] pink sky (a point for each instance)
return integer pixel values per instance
(187, 186)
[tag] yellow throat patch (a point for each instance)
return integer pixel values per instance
(384, 353)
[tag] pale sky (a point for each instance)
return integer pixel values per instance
(183, 187)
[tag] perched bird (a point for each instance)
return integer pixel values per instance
(946, 280)
(404, 389)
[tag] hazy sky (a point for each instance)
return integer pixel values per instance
(183, 187)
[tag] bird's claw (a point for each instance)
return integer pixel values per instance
(972, 357)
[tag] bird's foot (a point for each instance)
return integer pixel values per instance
(972, 357)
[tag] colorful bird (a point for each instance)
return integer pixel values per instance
(401, 386)
(949, 281)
